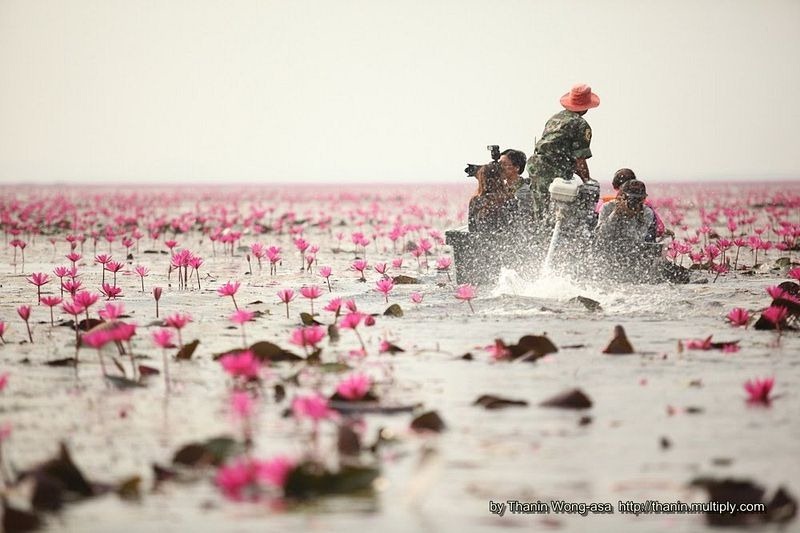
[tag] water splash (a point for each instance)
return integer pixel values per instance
(548, 259)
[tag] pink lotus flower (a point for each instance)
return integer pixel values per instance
(360, 265)
(397, 263)
(380, 268)
(775, 292)
(51, 301)
(3, 329)
(111, 292)
(385, 286)
(163, 338)
(111, 311)
(776, 315)
(229, 289)
(157, 297)
(351, 305)
(241, 316)
(3, 380)
(178, 320)
(758, 390)
(24, 312)
(313, 406)
(443, 263)
(308, 336)
(142, 271)
(5, 431)
(312, 293)
(275, 471)
(242, 364)
(498, 350)
(354, 387)
(416, 297)
(369, 320)
(38, 279)
(72, 286)
(235, 478)
(325, 272)
(96, 339)
(334, 306)
(241, 405)
(74, 257)
(699, 344)
(86, 299)
(351, 320)
(794, 273)
(739, 317)
(286, 296)
(72, 308)
(466, 292)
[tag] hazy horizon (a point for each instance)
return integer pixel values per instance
(395, 92)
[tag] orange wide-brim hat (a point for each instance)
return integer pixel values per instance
(580, 98)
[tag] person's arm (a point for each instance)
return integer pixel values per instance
(603, 217)
(582, 169)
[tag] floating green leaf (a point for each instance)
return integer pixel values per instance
(185, 353)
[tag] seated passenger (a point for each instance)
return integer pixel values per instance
(627, 219)
(493, 208)
(621, 177)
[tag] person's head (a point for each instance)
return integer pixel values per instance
(632, 194)
(622, 176)
(512, 163)
(492, 175)
(580, 99)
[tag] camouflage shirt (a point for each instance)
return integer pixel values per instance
(565, 139)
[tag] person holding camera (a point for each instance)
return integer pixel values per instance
(627, 220)
(625, 240)
(493, 208)
(563, 148)
(621, 177)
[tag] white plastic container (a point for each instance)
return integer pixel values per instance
(565, 191)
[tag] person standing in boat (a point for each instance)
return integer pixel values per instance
(563, 148)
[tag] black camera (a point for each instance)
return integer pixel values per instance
(472, 169)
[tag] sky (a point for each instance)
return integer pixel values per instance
(391, 91)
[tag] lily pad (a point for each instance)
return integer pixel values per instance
(429, 421)
(57, 481)
(370, 408)
(130, 488)
(588, 303)
(185, 353)
(489, 401)
(570, 399)
(266, 351)
(532, 347)
(309, 320)
(19, 521)
(404, 280)
(123, 383)
(333, 334)
(619, 344)
(211, 452)
(394, 310)
(311, 479)
(348, 442)
(145, 370)
(66, 361)
(393, 348)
